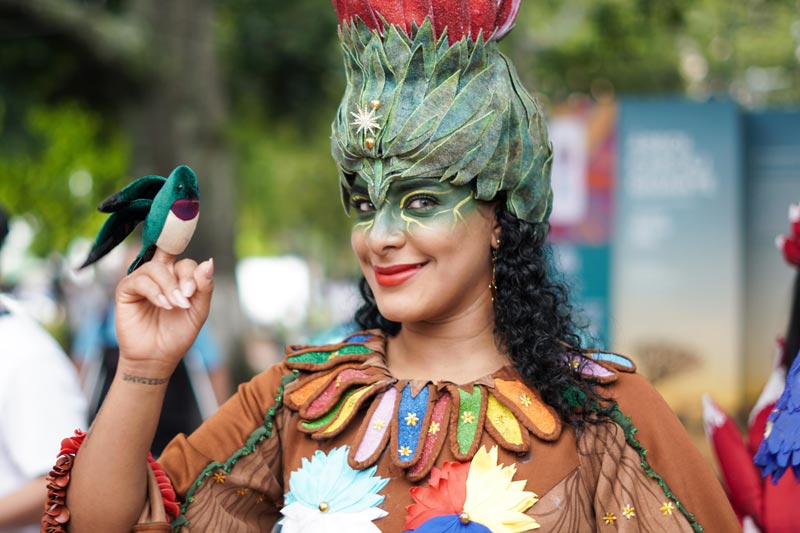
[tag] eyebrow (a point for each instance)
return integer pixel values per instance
(401, 186)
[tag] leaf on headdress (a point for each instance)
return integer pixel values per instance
(448, 151)
(490, 181)
(477, 63)
(376, 78)
(471, 99)
(446, 65)
(408, 96)
(434, 105)
(397, 49)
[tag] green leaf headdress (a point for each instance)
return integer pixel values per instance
(429, 95)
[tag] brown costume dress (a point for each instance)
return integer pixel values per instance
(284, 436)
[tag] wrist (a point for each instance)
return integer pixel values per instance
(148, 374)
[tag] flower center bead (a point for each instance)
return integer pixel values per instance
(464, 517)
(324, 507)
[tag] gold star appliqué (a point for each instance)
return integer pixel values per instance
(610, 518)
(365, 119)
(628, 512)
(525, 400)
(434, 428)
(242, 492)
(411, 419)
(219, 477)
(378, 424)
(467, 417)
(667, 508)
(405, 451)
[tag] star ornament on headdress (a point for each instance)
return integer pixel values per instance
(365, 119)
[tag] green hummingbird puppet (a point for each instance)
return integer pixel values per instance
(169, 208)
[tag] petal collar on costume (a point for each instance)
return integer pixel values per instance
(416, 418)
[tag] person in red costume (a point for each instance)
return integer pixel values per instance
(762, 493)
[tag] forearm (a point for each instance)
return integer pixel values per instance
(23, 507)
(108, 482)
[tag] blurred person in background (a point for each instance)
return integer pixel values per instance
(200, 383)
(467, 403)
(40, 399)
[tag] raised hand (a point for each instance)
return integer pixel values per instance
(160, 309)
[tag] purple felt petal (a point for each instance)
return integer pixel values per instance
(378, 425)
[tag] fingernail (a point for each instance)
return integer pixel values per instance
(187, 288)
(180, 299)
(210, 268)
(163, 302)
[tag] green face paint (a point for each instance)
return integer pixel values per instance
(421, 203)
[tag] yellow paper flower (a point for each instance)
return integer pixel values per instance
(493, 499)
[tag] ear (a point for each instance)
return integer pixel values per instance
(496, 230)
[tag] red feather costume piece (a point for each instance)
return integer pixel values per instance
(767, 507)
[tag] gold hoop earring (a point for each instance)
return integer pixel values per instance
(493, 283)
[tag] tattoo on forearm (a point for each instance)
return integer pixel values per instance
(143, 380)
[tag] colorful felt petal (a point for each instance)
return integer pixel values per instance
(467, 421)
(590, 369)
(349, 408)
(435, 436)
(339, 383)
(302, 392)
(537, 416)
(325, 355)
(375, 433)
(619, 361)
(313, 426)
(410, 420)
(503, 425)
(359, 338)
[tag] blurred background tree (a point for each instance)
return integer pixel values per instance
(96, 92)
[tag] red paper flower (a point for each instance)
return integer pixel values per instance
(460, 17)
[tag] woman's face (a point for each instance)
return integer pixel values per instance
(426, 251)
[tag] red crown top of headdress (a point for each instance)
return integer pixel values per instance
(461, 17)
(789, 245)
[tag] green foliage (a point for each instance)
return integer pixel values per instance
(698, 47)
(288, 192)
(57, 171)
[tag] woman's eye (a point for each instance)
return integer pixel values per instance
(421, 202)
(363, 206)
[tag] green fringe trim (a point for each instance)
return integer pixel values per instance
(250, 445)
(630, 431)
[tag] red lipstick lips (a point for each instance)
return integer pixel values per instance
(390, 276)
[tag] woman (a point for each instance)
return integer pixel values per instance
(468, 403)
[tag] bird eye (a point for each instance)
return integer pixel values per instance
(180, 186)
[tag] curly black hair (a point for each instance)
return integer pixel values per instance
(534, 321)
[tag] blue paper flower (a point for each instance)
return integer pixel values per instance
(326, 494)
(780, 448)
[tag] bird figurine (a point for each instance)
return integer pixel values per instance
(169, 208)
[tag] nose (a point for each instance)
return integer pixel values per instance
(387, 231)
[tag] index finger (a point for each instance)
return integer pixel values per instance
(163, 257)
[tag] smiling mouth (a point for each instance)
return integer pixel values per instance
(390, 276)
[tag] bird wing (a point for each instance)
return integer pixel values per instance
(144, 256)
(118, 226)
(144, 188)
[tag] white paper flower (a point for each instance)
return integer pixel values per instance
(326, 494)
